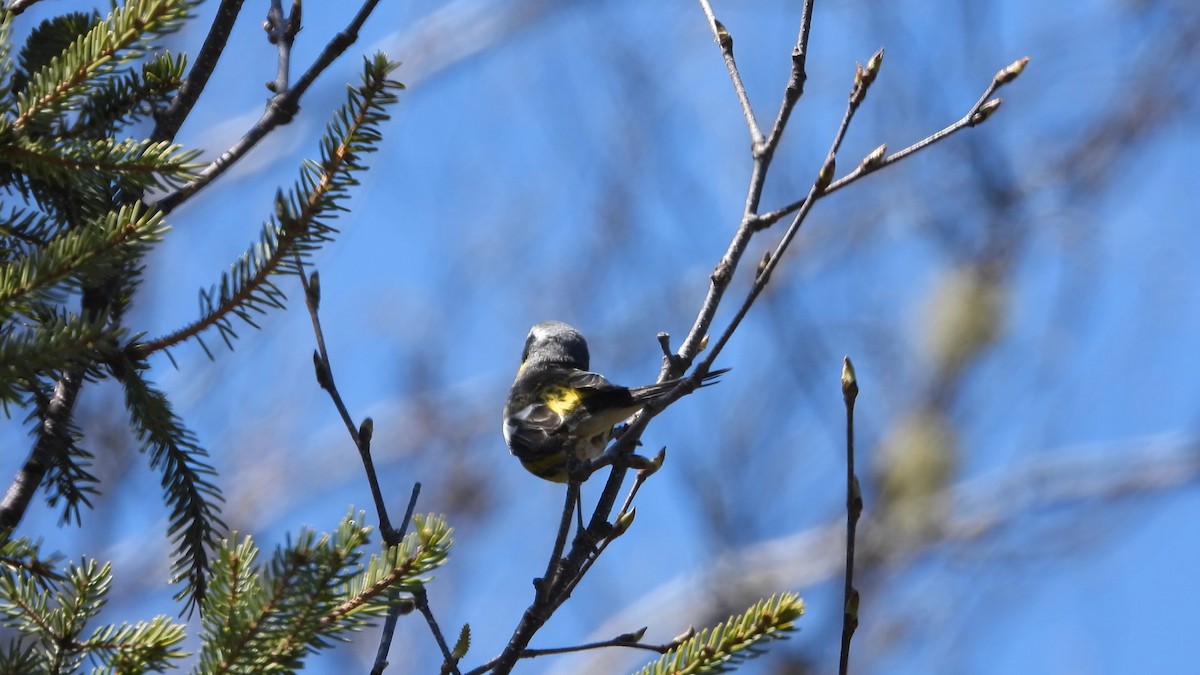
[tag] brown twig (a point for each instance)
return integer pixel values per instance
(360, 435)
(281, 31)
(449, 664)
(854, 506)
(280, 110)
(970, 119)
(725, 41)
(168, 122)
(599, 533)
(393, 616)
(630, 640)
(18, 6)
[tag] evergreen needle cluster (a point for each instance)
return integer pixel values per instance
(81, 174)
(719, 649)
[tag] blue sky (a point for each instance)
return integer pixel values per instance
(590, 166)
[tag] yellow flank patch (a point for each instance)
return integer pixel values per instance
(551, 467)
(562, 400)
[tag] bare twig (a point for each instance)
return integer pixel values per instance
(1083, 480)
(630, 640)
(281, 32)
(18, 6)
(168, 122)
(763, 153)
(449, 664)
(854, 506)
(593, 540)
(795, 86)
(725, 42)
(393, 615)
(361, 435)
(280, 110)
(862, 81)
(362, 440)
(977, 114)
(560, 541)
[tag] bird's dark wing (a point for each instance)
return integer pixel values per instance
(588, 383)
(534, 430)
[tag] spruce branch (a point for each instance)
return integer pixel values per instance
(48, 40)
(715, 650)
(23, 556)
(20, 656)
(137, 648)
(121, 101)
(314, 589)
(123, 35)
(29, 351)
(300, 224)
(67, 476)
(52, 620)
(190, 495)
(280, 110)
(24, 230)
(63, 161)
(71, 257)
(6, 64)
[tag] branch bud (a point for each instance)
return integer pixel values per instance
(873, 64)
(875, 159)
(985, 111)
(664, 341)
(324, 379)
(849, 381)
(825, 175)
(365, 431)
(684, 636)
(313, 292)
(851, 608)
(623, 522)
(631, 638)
(655, 464)
(762, 264)
(1011, 72)
(723, 37)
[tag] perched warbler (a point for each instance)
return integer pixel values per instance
(557, 410)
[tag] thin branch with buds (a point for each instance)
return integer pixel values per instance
(168, 122)
(280, 110)
(592, 540)
(281, 31)
(854, 505)
(361, 436)
(630, 640)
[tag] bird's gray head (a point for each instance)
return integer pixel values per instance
(554, 342)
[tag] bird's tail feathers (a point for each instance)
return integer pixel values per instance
(653, 391)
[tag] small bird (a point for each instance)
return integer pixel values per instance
(557, 410)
